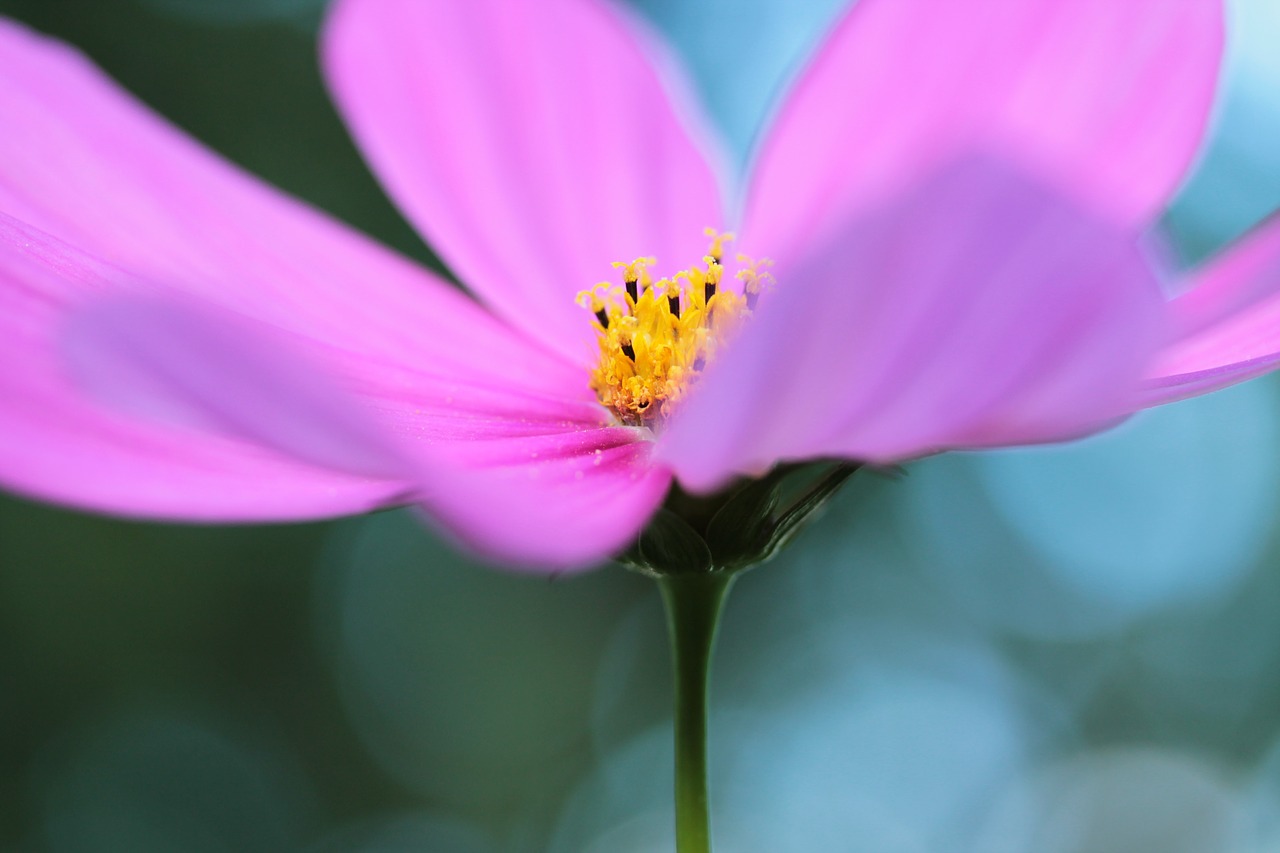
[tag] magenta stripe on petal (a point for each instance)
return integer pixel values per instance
(559, 502)
(531, 143)
(1110, 97)
(1245, 345)
(979, 310)
(1170, 388)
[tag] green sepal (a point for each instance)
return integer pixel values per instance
(804, 510)
(741, 529)
(670, 546)
(731, 531)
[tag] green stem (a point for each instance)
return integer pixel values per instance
(693, 603)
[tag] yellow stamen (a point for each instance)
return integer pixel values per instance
(635, 275)
(755, 278)
(594, 301)
(656, 338)
(718, 239)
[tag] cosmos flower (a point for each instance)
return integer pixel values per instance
(939, 244)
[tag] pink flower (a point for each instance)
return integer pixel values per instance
(951, 193)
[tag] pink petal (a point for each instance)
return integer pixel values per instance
(84, 161)
(211, 423)
(1110, 97)
(1245, 274)
(217, 425)
(81, 158)
(57, 445)
(562, 501)
(531, 143)
(565, 497)
(189, 364)
(1227, 321)
(978, 310)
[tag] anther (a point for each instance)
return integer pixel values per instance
(673, 302)
(754, 279)
(718, 238)
(592, 299)
(635, 276)
(629, 351)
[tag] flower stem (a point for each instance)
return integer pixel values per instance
(693, 602)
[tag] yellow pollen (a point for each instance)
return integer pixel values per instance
(656, 338)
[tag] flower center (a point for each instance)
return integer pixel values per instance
(657, 337)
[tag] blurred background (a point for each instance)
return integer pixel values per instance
(1066, 650)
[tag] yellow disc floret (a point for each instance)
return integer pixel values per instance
(656, 337)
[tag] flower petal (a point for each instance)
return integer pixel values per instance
(565, 501)
(1109, 97)
(1227, 322)
(531, 143)
(563, 498)
(198, 433)
(57, 445)
(153, 209)
(85, 162)
(188, 364)
(978, 310)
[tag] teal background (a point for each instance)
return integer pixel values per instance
(1062, 649)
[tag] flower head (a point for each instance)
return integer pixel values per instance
(951, 198)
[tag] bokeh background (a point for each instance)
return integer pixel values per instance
(1065, 650)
